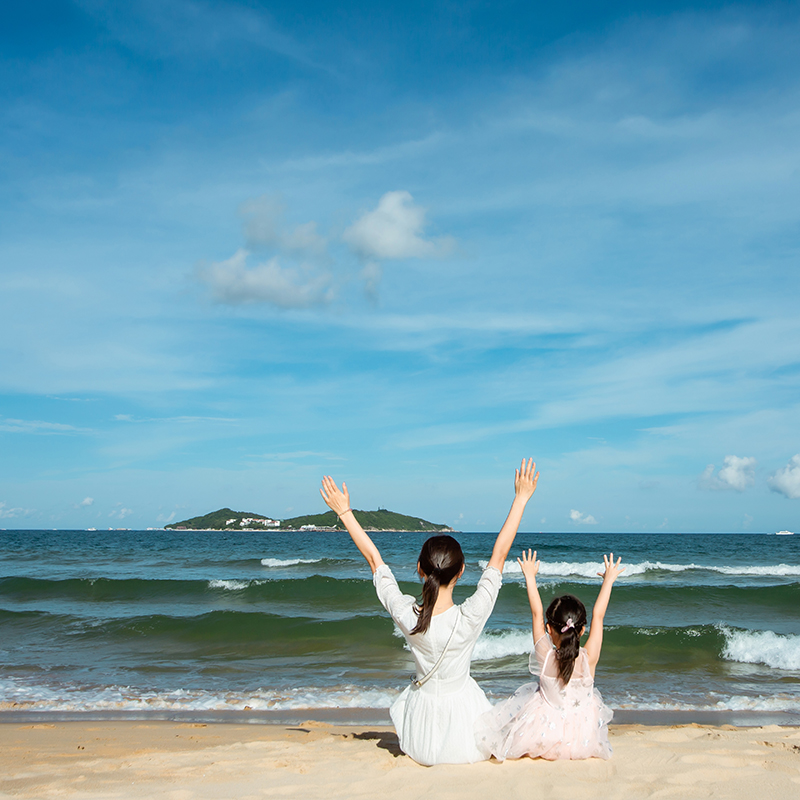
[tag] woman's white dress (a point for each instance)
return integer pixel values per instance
(435, 721)
(549, 720)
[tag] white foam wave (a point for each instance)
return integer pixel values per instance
(762, 647)
(230, 586)
(287, 562)
(499, 645)
(773, 703)
(18, 696)
(589, 569)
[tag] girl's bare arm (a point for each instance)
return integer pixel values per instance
(595, 641)
(530, 568)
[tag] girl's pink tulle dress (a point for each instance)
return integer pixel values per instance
(551, 720)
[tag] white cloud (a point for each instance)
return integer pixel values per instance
(121, 513)
(265, 226)
(166, 518)
(786, 481)
(582, 519)
(233, 283)
(10, 513)
(737, 473)
(87, 501)
(34, 426)
(394, 230)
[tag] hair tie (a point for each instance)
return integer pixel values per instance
(570, 624)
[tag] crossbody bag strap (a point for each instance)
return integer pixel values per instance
(425, 678)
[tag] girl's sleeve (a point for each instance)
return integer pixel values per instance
(478, 607)
(389, 594)
(539, 653)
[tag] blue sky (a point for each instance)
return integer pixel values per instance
(246, 244)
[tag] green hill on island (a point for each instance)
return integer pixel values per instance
(380, 520)
(226, 519)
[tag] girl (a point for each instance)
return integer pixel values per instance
(435, 716)
(564, 717)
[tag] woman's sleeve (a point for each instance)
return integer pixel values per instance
(539, 653)
(389, 594)
(478, 607)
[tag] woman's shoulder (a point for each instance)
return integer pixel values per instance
(480, 603)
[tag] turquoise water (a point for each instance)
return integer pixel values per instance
(181, 621)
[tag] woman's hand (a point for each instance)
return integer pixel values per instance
(337, 500)
(612, 570)
(525, 479)
(529, 565)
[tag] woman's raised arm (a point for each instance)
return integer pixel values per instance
(525, 480)
(338, 500)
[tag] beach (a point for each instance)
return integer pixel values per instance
(182, 761)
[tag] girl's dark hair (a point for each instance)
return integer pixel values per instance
(567, 612)
(440, 560)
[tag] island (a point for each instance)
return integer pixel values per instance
(225, 519)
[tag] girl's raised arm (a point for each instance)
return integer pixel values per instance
(595, 641)
(530, 568)
(339, 502)
(525, 481)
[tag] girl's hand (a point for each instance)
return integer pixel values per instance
(529, 565)
(338, 501)
(612, 570)
(525, 479)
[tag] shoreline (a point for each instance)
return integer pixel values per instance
(348, 717)
(185, 761)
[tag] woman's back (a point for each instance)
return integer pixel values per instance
(464, 622)
(434, 722)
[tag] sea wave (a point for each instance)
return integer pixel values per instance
(307, 590)
(590, 569)
(18, 695)
(781, 702)
(762, 647)
(232, 585)
(500, 644)
(288, 562)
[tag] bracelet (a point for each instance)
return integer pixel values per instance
(344, 512)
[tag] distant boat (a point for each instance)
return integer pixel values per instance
(785, 533)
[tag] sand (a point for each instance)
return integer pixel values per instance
(182, 761)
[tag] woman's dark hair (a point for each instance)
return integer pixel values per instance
(440, 560)
(567, 615)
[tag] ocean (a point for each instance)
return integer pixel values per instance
(287, 625)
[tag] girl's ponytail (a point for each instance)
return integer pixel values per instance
(440, 560)
(567, 616)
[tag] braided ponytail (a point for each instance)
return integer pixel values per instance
(440, 561)
(567, 616)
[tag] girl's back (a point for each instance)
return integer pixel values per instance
(550, 720)
(580, 689)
